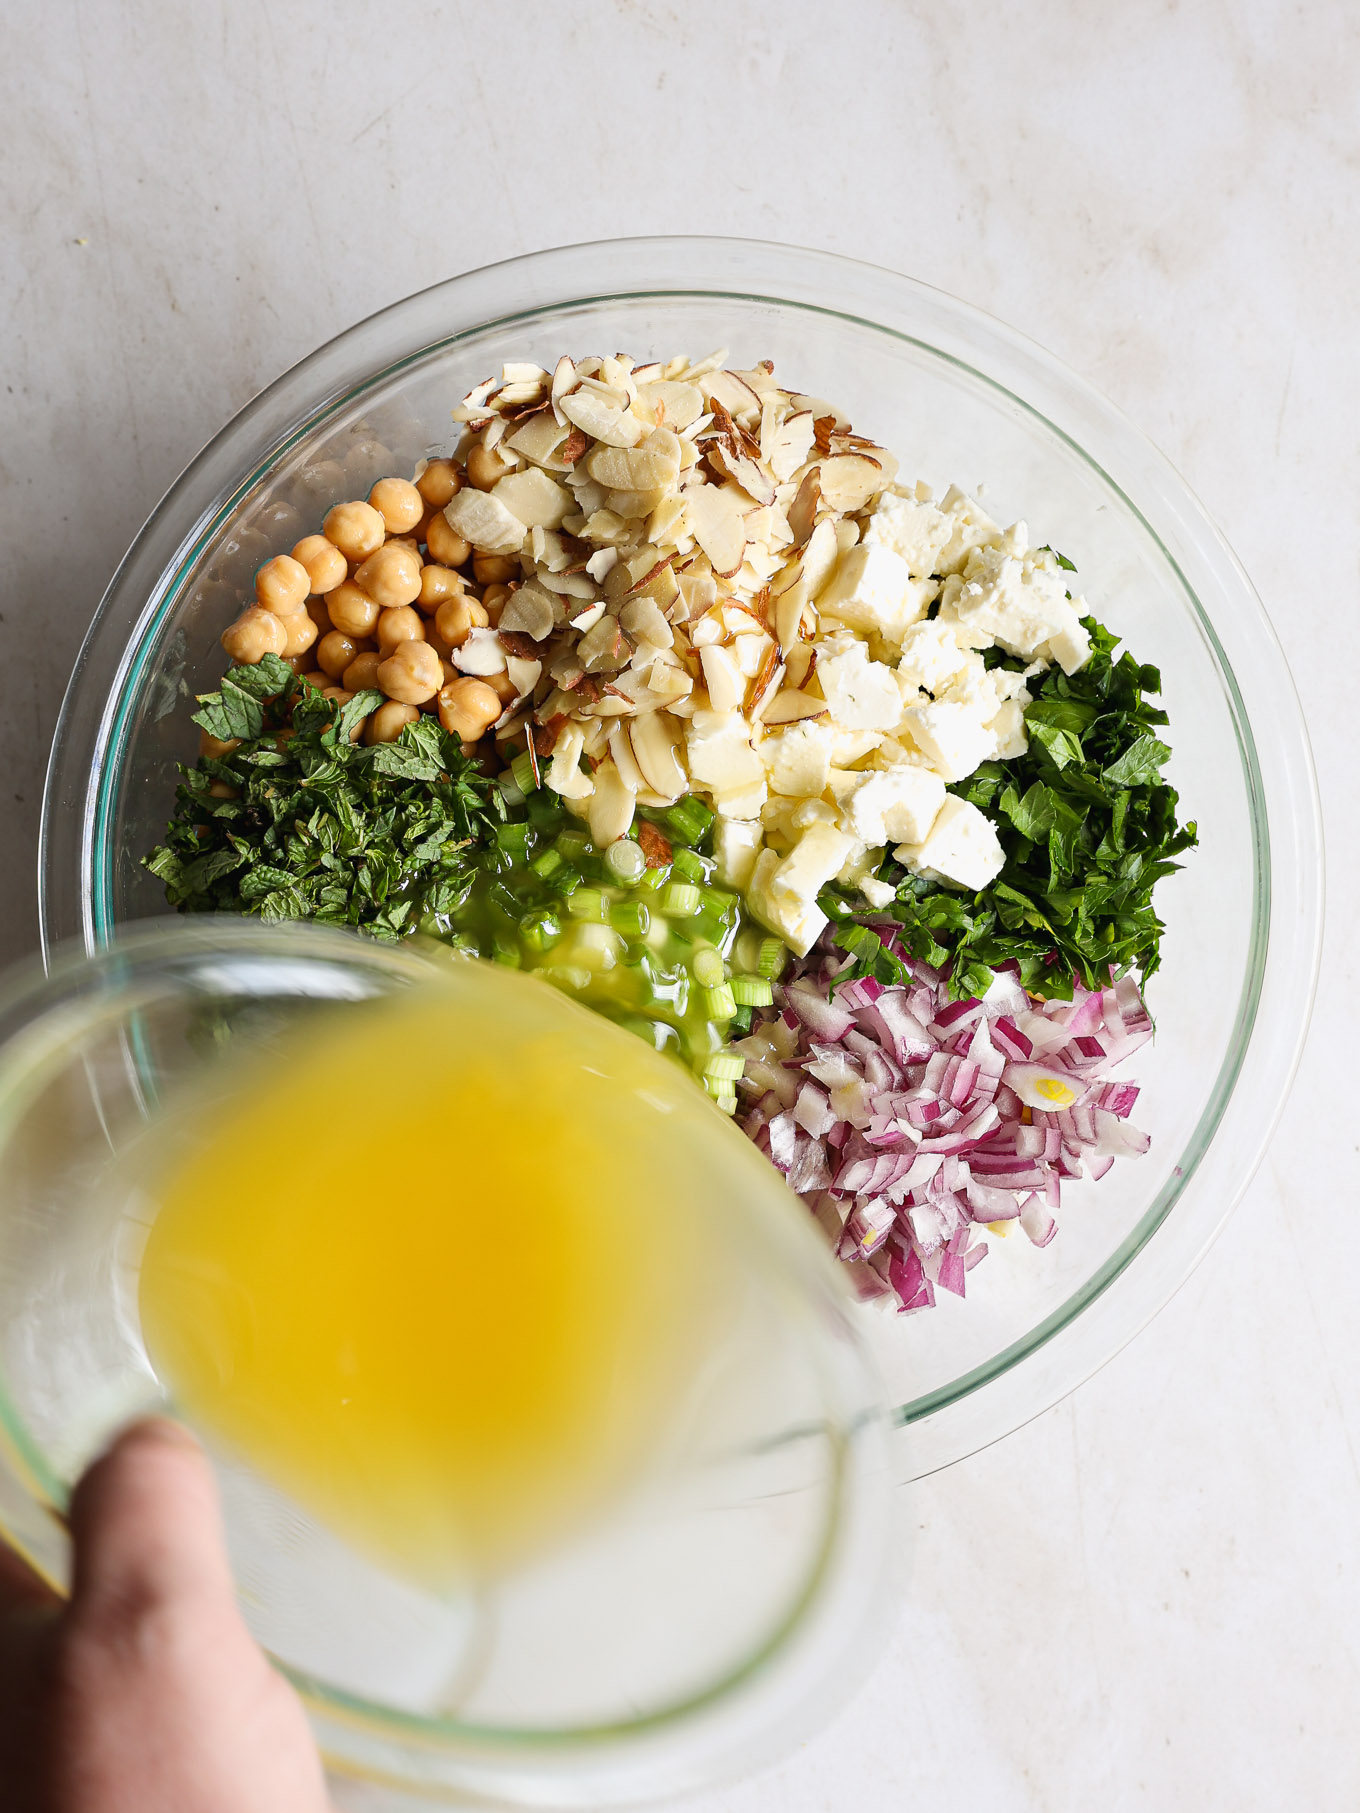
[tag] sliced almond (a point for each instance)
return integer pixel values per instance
(539, 438)
(744, 471)
(723, 679)
(644, 622)
(537, 500)
(633, 506)
(612, 805)
(698, 593)
(481, 653)
(656, 755)
(789, 445)
(529, 612)
(790, 706)
(703, 366)
(802, 512)
(849, 480)
(820, 557)
(672, 405)
(653, 464)
(524, 673)
(766, 683)
(789, 614)
(602, 419)
(735, 395)
(604, 649)
(484, 520)
(714, 516)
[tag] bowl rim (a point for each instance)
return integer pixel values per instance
(1035, 1372)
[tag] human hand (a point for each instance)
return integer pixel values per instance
(145, 1693)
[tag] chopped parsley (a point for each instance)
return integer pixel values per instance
(1088, 826)
(315, 826)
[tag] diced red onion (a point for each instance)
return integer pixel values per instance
(901, 1116)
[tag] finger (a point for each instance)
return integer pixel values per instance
(146, 1524)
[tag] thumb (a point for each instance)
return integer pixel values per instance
(147, 1527)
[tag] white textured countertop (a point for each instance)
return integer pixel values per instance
(1150, 1598)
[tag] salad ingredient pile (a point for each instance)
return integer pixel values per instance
(663, 677)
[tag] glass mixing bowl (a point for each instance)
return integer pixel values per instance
(958, 397)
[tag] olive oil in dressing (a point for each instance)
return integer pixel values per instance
(437, 1267)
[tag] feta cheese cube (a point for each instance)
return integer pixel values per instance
(799, 925)
(736, 844)
(954, 738)
(933, 658)
(1009, 599)
(917, 533)
(970, 527)
(873, 591)
(861, 694)
(1007, 729)
(893, 805)
(718, 745)
(962, 847)
(742, 802)
(814, 860)
(798, 759)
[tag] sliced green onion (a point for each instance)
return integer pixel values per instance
(718, 900)
(547, 864)
(509, 792)
(772, 954)
(710, 925)
(708, 968)
(540, 930)
(740, 1024)
(720, 1088)
(631, 918)
(565, 882)
(728, 1065)
(514, 839)
(686, 866)
(725, 1104)
(652, 879)
(687, 820)
(718, 1002)
(588, 903)
(625, 861)
(680, 900)
(507, 953)
(526, 779)
(574, 846)
(752, 991)
(566, 975)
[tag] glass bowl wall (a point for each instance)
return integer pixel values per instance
(959, 398)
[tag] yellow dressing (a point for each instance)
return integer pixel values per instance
(436, 1267)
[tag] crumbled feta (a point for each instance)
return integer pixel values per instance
(718, 746)
(799, 925)
(953, 737)
(1005, 596)
(815, 859)
(872, 590)
(970, 527)
(917, 533)
(932, 657)
(798, 759)
(896, 805)
(861, 694)
(736, 844)
(961, 847)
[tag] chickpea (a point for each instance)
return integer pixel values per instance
(362, 672)
(282, 585)
(486, 465)
(467, 706)
(216, 747)
(436, 584)
(320, 616)
(437, 642)
(352, 610)
(325, 564)
(400, 625)
(356, 529)
(439, 482)
(411, 673)
(276, 519)
(494, 600)
(301, 633)
(399, 504)
(446, 546)
(254, 635)
(299, 663)
(503, 687)
(220, 790)
(389, 720)
(364, 457)
(391, 576)
(456, 619)
(334, 654)
(322, 479)
(317, 678)
(494, 569)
